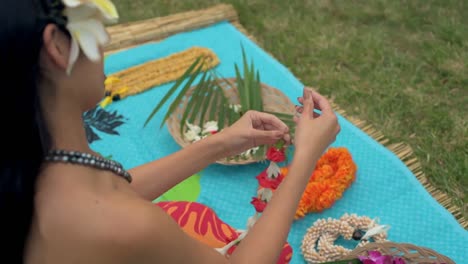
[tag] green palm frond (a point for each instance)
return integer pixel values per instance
(208, 101)
(191, 73)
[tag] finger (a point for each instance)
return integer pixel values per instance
(308, 103)
(272, 121)
(287, 139)
(322, 103)
(296, 119)
(299, 109)
(300, 100)
(263, 137)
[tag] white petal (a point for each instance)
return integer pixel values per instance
(265, 194)
(89, 45)
(375, 230)
(90, 34)
(81, 13)
(194, 128)
(72, 3)
(211, 126)
(190, 135)
(107, 10)
(74, 52)
(273, 170)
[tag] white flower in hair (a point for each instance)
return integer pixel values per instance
(86, 19)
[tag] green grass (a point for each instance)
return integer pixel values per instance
(401, 65)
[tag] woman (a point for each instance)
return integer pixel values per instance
(54, 211)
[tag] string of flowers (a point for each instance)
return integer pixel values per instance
(333, 174)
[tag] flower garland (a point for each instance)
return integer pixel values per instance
(333, 174)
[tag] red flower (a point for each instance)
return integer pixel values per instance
(266, 182)
(213, 132)
(258, 204)
(276, 155)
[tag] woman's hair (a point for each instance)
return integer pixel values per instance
(22, 23)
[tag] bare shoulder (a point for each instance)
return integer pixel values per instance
(108, 223)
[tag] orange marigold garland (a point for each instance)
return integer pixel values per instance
(333, 174)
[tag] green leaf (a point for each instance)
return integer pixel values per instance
(214, 108)
(259, 93)
(191, 103)
(207, 95)
(231, 116)
(260, 153)
(247, 80)
(189, 72)
(240, 90)
(199, 100)
(176, 101)
(222, 112)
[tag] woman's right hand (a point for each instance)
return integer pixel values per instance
(314, 132)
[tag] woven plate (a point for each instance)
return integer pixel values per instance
(273, 101)
(410, 253)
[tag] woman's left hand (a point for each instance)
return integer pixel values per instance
(254, 129)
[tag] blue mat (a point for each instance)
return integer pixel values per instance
(384, 188)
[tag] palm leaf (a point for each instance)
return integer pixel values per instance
(179, 98)
(191, 103)
(260, 153)
(203, 87)
(192, 72)
(207, 95)
(247, 80)
(214, 104)
(240, 90)
(258, 93)
(222, 112)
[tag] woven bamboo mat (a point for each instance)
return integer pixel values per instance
(132, 34)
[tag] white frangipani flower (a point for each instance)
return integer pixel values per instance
(273, 170)
(265, 194)
(210, 126)
(196, 129)
(237, 107)
(86, 20)
(190, 135)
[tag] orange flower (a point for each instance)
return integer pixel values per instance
(333, 174)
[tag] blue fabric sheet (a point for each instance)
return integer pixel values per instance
(384, 188)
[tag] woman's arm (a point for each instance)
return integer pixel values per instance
(153, 179)
(265, 240)
(253, 129)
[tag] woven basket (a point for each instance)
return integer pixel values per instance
(273, 101)
(410, 253)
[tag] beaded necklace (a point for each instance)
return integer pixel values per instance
(86, 159)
